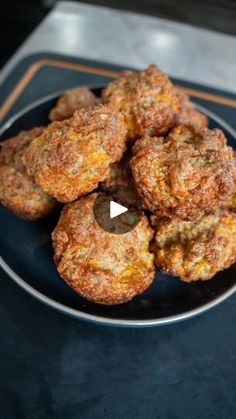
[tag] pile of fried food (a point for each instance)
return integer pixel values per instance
(143, 134)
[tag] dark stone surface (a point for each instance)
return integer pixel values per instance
(218, 15)
(19, 18)
(53, 366)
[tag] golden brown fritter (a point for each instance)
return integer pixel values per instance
(71, 101)
(187, 174)
(72, 156)
(12, 149)
(189, 114)
(146, 99)
(196, 250)
(102, 267)
(18, 192)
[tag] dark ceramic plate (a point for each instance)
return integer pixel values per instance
(26, 255)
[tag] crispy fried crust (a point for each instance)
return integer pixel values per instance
(71, 101)
(196, 250)
(189, 114)
(230, 203)
(146, 99)
(119, 174)
(18, 192)
(71, 157)
(102, 267)
(189, 173)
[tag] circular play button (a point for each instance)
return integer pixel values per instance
(117, 210)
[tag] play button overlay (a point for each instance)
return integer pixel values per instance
(117, 210)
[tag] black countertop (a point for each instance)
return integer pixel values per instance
(53, 366)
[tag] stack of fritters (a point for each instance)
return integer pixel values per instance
(18, 192)
(145, 135)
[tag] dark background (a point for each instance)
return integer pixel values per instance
(56, 367)
(19, 17)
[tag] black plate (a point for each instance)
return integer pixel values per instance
(26, 255)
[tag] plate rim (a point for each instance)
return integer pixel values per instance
(103, 319)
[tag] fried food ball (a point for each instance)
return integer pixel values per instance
(18, 192)
(72, 156)
(146, 99)
(196, 250)
(102, 267)
(189, 114)
(187, 174)
(70, 102)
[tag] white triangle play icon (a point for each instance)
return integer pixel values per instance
(116, 209)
